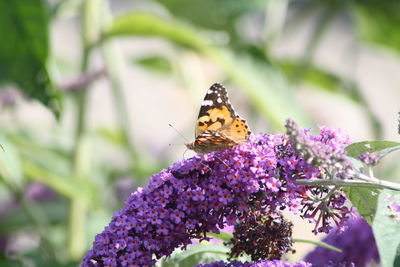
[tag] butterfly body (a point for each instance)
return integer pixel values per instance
(218, 126)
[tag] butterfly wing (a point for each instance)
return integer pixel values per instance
(237, 131)
(218, 126)
(216, 113)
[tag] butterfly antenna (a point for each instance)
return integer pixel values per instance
(170, 125)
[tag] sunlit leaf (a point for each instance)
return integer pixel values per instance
(223, 236)
(356, 149)
(217, 15)
(365, 200)
(114, 136)
(155, 63)
(386, 226)
(199, 249)
(10, 164)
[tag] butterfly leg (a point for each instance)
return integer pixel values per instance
(222, 161)
(218, 158)
(202, 162)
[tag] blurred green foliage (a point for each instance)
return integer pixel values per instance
(24, 27)
(73, 166)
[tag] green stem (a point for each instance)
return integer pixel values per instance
(349, 183)
(113, 63)
(78, 207)
(317, 243)
(77, 210)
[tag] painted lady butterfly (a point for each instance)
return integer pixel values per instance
(218, 126)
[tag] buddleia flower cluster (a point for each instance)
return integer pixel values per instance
(207, 192)
(262, 236)
(325, 153)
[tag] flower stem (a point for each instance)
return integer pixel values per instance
(78, 207)
(380, 184)
(113, 63)
(317, 243)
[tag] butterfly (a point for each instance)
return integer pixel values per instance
(218, 126)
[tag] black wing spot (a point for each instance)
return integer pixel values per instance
(237, 125)
(209, 122)
(221, 120)
(201, 123)
(238, 131)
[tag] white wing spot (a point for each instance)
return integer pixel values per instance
(209, 92)
(207, 103)
(219, 100)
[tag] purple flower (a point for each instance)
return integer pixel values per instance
(273, 263)
(324, 151)
(369, 159)
(39, 192)
(357, 244)
(9, 97)
(261, 235)
(326, 154)
(206, 192)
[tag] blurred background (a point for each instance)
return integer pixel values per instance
(89, 88)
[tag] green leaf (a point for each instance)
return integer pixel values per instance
(365, 200)
(10, 164)
(386, 226)
(317, 243)
(377, 22)
(223, 236)
(356, 149)
(314, 75)
(146, 24)
(113, 136)
(265, 86)
(156, 63)
(331, 83)
(4, 261)
(24, 50)
(210, 13)
(199, 249)
(18, 218)
(81, 189)
(41, 259)
(217, 15)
